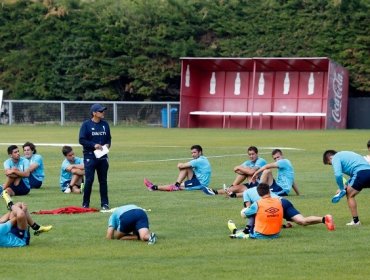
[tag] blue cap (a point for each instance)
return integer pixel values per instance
(97, 108)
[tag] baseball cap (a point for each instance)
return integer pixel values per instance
(97, 108)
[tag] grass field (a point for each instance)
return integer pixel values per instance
(193, 240)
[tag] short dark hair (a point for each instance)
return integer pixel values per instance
(197, 147)
(253, 148)
(368, 144)
(263, 189)
(327, 154)
(31, 145)
(66, 150)
(11, 148)
(275, 151)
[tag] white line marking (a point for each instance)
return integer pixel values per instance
(43, 144)
(222, 156)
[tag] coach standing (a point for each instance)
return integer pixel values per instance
(94, 134)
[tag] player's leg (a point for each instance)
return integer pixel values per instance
(36, 227)
(352, 203)
(89, 164)
(102, 172)
(267, 177)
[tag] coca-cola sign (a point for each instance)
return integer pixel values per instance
(337, 96)
(337, 86)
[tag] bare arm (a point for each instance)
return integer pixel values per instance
(244, 170)
(33, 167)
(110, 233)
(183, 165)
(267, 166)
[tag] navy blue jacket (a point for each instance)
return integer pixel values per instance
(92, 133)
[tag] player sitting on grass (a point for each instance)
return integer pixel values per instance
(290, 214)
(197, 172)
(285, 174)
(244, 172)
(72, 172)
(130, 222)
(14, 225)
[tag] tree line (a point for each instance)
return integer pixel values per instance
(130, 49)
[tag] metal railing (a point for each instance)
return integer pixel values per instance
(144, 113)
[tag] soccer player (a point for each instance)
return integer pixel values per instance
(14, 225)
(72, 172)
(367, 158)
(285, 176)
(268, 213)
(244, 171)
(17, 172)
(36, 168)
(94, 134)
(354, 166)
(130, 222)
(197, 172)
(291, 214)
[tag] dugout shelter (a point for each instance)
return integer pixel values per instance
(263, 93)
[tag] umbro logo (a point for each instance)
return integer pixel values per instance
(272, 210)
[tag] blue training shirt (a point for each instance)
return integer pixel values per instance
(8, 239)
(202, 170)
(285, 175)
(114, 220)
(92, 133)
(38, 173)
(348, 163)
(66, 176)
(254, 164)
(251, 195)
(22, 165)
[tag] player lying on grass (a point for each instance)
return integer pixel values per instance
(14, 225)
(357, 168)
(197, 172)
(290, 213)
(244, 172)
(130, 222)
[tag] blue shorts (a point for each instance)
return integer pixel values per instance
(275, 188)
(133, 220)
(34, 183)
(24, 235)
(288, 209)
(193, 184)
(21, 189)
(361, 180)
(251, 185)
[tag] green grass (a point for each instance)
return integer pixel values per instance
(193, 240)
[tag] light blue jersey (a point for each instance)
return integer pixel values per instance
(114, 220)
(254, 164)
(251, 195)
(285, 175)
(202, 170)
(8, 239)
(38, 173)
(66, 176)
(348, 163)
(22, 165)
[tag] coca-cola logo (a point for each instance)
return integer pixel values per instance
(337, 84)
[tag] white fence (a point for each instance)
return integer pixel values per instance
(145, 113)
